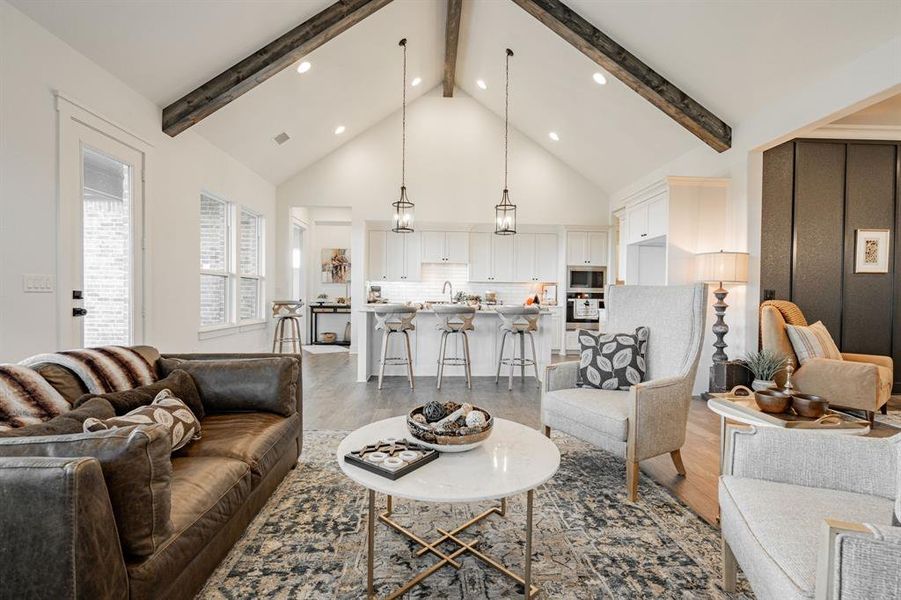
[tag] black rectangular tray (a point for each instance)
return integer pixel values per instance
(356, 457)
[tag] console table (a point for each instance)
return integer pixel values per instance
(328, 308)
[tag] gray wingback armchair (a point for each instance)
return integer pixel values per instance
(649, 419)
(809, 515)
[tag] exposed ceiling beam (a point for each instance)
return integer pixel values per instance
(451, 40)
(626, 67)
(266, 62)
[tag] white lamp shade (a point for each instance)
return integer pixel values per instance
(725, 267)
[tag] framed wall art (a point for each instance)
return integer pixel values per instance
(872, 251)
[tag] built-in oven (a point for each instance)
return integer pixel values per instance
(585, 278)
(583, 308)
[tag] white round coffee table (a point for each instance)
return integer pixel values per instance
(513, 460)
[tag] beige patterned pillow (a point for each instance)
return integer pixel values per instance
(165, 410)
(812, 341)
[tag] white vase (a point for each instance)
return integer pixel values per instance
(762, 384)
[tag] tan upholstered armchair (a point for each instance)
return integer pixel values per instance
(860, 381)
(650, 418)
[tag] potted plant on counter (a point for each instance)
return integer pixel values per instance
(764, 365)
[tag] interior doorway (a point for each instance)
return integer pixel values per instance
(298, 280)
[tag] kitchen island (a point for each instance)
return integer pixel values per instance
(484, 346)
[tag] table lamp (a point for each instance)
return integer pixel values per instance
(722, 268)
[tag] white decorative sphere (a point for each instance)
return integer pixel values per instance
(476, 419)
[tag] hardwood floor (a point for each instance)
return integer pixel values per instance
(333, 400)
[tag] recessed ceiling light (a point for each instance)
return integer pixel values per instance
(303, 67)
(599, 78)
(481, 83)
(416, 81)
(282, 138)
(553, 135)
(340, 129)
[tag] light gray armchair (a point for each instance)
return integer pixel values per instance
(649, 419)
(809, 515)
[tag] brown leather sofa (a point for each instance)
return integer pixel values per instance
(58, 530)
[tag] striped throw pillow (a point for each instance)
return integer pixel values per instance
(812, 341)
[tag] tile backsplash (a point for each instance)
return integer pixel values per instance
(435, 274)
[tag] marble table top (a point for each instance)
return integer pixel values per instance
(513, 460)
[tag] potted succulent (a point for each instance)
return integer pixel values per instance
(764, 365)
(322, 298)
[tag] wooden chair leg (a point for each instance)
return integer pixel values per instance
(884, 409)
(730, 568)
(547, 431)
(676, 455)
(632, 472)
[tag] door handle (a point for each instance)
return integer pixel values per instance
(79, 312)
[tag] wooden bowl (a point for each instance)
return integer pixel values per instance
(328, 337)
(772, 401)
(448, 442)
(808, 405)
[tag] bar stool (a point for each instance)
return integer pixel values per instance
(288, 313)
(395, 318)
(518, 321)
(454, 319)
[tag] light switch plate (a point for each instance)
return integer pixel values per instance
(37, 284)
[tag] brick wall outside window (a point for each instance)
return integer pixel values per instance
(107, 228)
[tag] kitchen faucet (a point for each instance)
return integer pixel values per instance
(448, 284)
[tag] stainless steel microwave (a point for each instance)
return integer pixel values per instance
(586, 278)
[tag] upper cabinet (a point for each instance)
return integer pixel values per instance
(394, 256)
(491, 257)
(647, 219)
(586, 248)
(445, 247)
(535, 257)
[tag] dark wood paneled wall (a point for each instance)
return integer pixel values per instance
(816, 194)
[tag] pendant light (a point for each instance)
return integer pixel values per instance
(403, 208)
(505, 212)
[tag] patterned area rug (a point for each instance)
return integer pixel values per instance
(893, 417)
(310, 539)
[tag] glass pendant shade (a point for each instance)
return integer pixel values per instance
(505, 216)
(403, 213)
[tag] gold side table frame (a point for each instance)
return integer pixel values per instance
(448, 536)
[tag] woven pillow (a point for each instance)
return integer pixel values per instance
(812, 341)
(613, 361)
(165, 410)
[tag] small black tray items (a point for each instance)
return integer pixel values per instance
(391, 458)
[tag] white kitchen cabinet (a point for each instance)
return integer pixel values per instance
(445, 247)
(456, 247)
(638, 223)
(524, 257)
(586, 248)
(657, 220)
(535, 257)
(378, 259)
(394, 256)
(556, 328)
(491, 257)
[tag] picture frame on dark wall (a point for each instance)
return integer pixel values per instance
(871, 253)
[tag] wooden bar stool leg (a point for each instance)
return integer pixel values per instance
(275, 334)
(500, 356)
(409, 359)
(442, 349)
(522, 356)
(468, 363)
(534, 360)
(512, 361)
(385, 333)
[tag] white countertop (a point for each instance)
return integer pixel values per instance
(544, 310)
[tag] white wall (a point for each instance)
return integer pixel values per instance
(861, 81)
(34, 64)
(455, 154)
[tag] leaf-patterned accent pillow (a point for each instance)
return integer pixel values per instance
(613, 361)
(165, 410)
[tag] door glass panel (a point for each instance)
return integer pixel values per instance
(107, 235)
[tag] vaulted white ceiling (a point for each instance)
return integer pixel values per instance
(732, 57)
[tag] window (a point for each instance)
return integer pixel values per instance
(251, 264)
(232, 279)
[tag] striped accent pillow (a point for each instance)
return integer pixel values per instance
(812, 341)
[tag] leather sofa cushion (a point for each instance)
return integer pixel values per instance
(180, 383)
(66, 423)
(257, 439)
(137, 471)
(63, 380)
(247, 384)
(206, 492)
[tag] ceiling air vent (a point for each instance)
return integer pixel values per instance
(281, 138)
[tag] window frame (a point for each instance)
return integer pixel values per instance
(260, 275)
(232, 273)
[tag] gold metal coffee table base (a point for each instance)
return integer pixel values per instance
(449, 536)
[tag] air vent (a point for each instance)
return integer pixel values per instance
(281, 138)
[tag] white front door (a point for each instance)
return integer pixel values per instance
(101, 204)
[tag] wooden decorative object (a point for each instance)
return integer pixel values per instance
(461, 439)
(393, 449)
(808, 405)
(773, 401)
